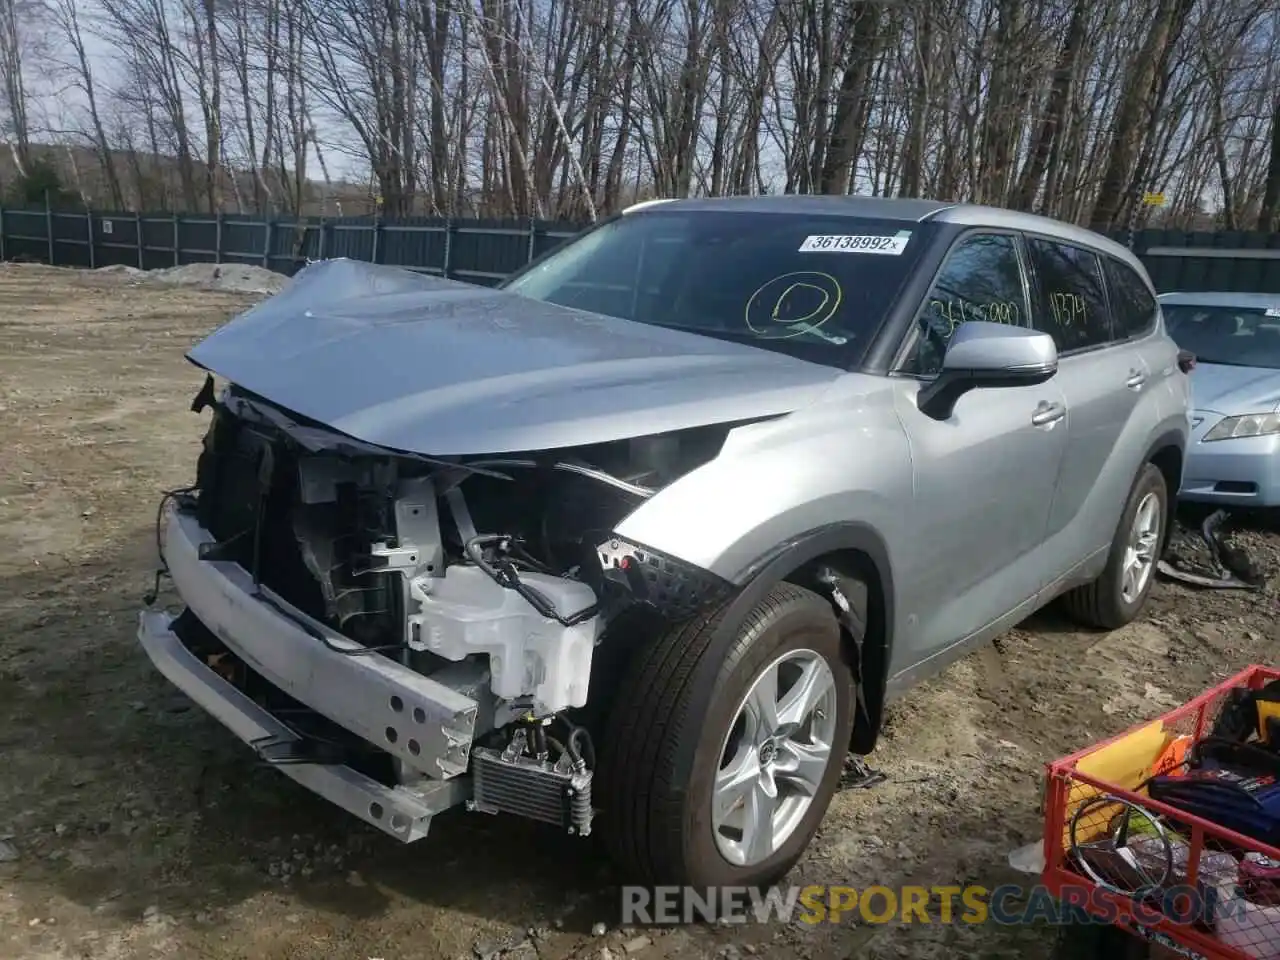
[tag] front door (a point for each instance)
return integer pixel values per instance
(984, 477)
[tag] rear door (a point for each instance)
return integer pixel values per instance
(1103, 375)
(984, 478)
(1135, 313)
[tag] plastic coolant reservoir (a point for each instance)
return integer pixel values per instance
(466, 613)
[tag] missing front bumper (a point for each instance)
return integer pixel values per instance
(421, 722)
(403, 812)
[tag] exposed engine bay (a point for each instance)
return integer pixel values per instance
(499, 577)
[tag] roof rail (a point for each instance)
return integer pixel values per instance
(646, 203)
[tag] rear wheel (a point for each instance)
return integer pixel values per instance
(770, 744)
(1121, 591)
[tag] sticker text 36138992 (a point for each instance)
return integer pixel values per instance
(846, 243)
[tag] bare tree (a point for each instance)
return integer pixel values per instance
(1269, 214)
(13, 81)
(572, 108)
(65, 16)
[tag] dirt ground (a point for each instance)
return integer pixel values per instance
(131, 825)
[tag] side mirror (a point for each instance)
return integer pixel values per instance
(984, 355)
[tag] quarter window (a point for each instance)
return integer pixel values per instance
(1133, 308)
(980, 280)
(1071, 303)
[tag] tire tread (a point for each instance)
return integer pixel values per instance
(647, 723)
(1097, 604)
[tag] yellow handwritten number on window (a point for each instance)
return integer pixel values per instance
(952, 313)
(1068, 309)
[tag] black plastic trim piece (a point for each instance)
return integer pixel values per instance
(675, 589)
(1170, 438)
(1175, 439)
(937, 399)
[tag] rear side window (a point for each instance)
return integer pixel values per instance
(1071, 302)
(1133, 308)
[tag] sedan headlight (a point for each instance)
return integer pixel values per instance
(1245, 425)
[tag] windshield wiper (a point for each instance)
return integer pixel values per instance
(748, 338)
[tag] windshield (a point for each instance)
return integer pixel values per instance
(814, 287)
(1236, 336)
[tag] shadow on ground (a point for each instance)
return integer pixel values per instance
(1053, 620)
(123, 795)
(127, 800)
(124, 799)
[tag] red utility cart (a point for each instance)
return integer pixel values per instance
(1101, 837)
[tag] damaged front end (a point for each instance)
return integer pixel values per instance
(404, 634)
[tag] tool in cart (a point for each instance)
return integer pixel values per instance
(1232, 776)
(1260, 879)
(1114, 860)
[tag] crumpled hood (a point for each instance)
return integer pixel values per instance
(437, 367)
(1229, 390)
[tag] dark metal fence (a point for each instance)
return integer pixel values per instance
(477, 251)
(485, 251)
(1238, 261)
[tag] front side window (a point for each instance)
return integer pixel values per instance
(1233, 336)
(1133, 308)
(814, 287)
(1071, 302)
(980, 280)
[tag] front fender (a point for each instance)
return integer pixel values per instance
(827, 480)
(844, 461)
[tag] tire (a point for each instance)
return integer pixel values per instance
(657, 807)
(1103, 603)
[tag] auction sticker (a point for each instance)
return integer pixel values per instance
(853, 243)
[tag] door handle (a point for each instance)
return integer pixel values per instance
(1136, 379)
(1047, 414)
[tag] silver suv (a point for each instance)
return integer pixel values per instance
(656, 529)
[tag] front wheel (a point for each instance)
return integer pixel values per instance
(1119, 594)
(770, 747)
